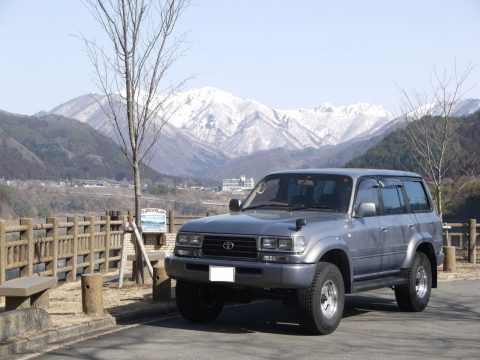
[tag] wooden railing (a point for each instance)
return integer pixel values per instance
(63, 247)
(60, 247)
(464, 237)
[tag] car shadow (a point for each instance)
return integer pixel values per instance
(273, 317)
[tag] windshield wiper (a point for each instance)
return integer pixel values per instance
(265, 205)
(303, 207)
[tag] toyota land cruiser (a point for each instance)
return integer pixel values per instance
(309, 237)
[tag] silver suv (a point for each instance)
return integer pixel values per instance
(308, 237)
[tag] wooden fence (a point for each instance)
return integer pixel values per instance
(464, 237)
(64, 247)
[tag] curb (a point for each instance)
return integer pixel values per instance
(451, 276)
(17, 346)
(49, 336)
(139, 315)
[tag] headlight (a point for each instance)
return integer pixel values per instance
(186, 239)
(295, 244)
(182, 239)
(285, 244)
(195, 239)
(269, 243)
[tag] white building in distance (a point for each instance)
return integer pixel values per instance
(238, 184)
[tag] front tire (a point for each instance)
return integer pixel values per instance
(415, 294)
(320, 307)
(198, 303)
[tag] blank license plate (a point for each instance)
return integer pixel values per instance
(222, 273)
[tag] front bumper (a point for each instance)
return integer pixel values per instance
(247, 273)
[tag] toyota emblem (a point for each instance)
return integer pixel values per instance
(228, 245)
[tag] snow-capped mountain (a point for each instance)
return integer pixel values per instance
(210, 126)
(241, 127)
(195, 158)
(342, 123)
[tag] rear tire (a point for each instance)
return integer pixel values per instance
(198, 303)
(415, 294)
(320, 307)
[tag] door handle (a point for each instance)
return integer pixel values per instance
(384, 229)
(411, 226)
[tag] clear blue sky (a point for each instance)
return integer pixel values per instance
(287, 54)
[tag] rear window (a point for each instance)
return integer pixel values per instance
(416, 196)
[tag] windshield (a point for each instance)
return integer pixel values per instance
(301, 191)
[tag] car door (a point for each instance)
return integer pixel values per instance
(366, 244)
(397, 225)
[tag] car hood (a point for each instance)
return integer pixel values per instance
(277, 223)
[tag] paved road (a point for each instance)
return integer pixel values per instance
(372, 327)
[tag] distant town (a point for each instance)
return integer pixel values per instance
(228, 185)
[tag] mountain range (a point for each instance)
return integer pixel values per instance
(215, 134)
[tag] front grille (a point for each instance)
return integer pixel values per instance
(243, 247)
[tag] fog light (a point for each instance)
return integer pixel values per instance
(185, 252)
(275, 258)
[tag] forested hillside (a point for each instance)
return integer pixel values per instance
(54, 147)
(462, 179)
(394, 151)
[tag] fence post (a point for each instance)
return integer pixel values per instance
(105, 228)
(450, 260)
(90, 229)
(3, 254)
(92, 296)
(28, 235)
(447, 234)
(162, 284)
(472, 249)
(53, 233)
(73, 231)
(171, 221)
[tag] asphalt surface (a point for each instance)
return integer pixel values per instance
(372, 327)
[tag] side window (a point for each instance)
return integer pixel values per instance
(416, 196)
(368, 193)
(393, 202)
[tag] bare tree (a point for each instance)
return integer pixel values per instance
(130, 71)
(432, 127)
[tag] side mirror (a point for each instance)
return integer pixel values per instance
(300, 223)
(235, 205)
(365, 210)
